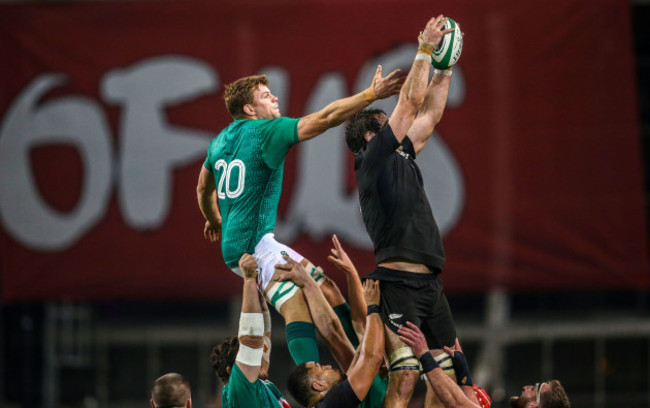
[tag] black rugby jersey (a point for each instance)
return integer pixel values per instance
(394, 206)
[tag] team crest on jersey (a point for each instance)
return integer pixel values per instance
(394, 317)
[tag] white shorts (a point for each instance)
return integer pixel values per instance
(268, 253)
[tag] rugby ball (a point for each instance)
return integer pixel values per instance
(448, 51)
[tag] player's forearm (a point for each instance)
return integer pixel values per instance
(208, 204)
(436, 99)
(372, 345)
(358, 305)
(322, 314)
(333, 114)
(447, 391)
(415, 87)
(328, 325)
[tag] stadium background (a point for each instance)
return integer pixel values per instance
(536, 175)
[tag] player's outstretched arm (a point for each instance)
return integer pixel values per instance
(341, 110)
(206, 193)
(413, 92)
(430, 114)
(251, 322)
(370, 353)
(324, 317)
(448, 392)
(340, 259)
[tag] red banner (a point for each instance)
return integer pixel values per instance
(106, 110)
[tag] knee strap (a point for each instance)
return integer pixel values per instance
(280, 292)
(403, 359)
(444, 361)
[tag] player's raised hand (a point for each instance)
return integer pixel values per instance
(248, 267)
(390, 85)
(340, 258)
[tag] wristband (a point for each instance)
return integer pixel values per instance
(445, 72)
(428, 362)
(369, 95)
(425, 47)
(422, 56)
(462, 369)
(372, 309)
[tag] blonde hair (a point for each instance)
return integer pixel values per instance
(241, 92)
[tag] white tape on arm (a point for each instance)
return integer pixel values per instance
(250, 356)
(251, 324)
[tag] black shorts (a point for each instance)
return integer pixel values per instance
(419, 299)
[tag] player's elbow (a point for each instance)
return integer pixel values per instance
(411, 100)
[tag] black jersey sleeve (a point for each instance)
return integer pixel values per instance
(340, 396)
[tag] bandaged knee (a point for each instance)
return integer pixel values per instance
(403, 359)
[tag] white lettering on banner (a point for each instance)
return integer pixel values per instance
(320, 205)
(149, 149)
(70, 120)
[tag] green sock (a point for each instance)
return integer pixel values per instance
(301, 339)
(343, 312)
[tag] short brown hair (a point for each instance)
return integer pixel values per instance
(223, 356)
(241, 92)
(555, 397)
(170, 391)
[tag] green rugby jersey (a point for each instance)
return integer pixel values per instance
(240, 393)
(247, 161)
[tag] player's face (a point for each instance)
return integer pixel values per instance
(531, 393)
(265, 103)
(383, 121)
(325, 373)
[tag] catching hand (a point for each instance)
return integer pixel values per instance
(432, 32)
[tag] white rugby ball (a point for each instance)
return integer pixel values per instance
(448, 51)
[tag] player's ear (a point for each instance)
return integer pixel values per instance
(152, 403)
(188, 404)
(249, 110)
(368, 135)
(318, 385)
(228, 370)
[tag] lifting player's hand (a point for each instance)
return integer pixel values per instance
(248, 267)
(371, 292)
(292, 271)
(212, 232)
(411, 335)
